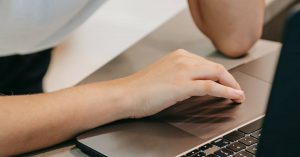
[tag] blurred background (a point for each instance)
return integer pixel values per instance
(274, 26)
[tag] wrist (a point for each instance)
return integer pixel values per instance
(97, 104)
(114, 98)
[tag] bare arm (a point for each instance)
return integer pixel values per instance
(232, 25)
(36, 121)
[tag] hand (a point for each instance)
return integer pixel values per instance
(176, 77)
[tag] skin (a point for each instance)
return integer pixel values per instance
(36, 121)
(232, 25)
(31, 122)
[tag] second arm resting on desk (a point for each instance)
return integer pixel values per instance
(232, 25)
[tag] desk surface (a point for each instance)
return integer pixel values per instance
(167, 38)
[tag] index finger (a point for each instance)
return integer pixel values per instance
(215, 72)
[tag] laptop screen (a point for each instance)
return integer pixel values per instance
(281, 128)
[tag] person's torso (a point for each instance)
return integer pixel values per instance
(28, 26)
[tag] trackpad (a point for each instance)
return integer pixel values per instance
(207, 117)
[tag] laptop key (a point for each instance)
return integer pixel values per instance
(205, 147)
(212, 155)
(252, 127)
(220, 142)
(234, 136)
(243, 154)
(256, 134)
(236, 146)
(192, 153)
(224, 152)
(199, 154)
(248, 140)
(252, 149)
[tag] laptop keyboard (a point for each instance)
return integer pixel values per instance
(239, 143)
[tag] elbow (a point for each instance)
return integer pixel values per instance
(238, 45)
(234, 49)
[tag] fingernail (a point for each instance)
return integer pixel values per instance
(239, 92)
(241, 95)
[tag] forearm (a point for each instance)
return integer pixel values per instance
(232, 25)
(36, 121)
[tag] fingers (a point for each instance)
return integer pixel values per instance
(204, 74)
(208, 87)
(205, 69)
(228, 80)
(216, 72)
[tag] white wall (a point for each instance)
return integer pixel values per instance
(117, 25)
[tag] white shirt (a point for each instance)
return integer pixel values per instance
(28, 26)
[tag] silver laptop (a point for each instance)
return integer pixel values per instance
(189, 124)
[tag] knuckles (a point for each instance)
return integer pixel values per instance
(180, 60)
(208, 86)
(180, 52)
(220, 69)
(183, 64)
